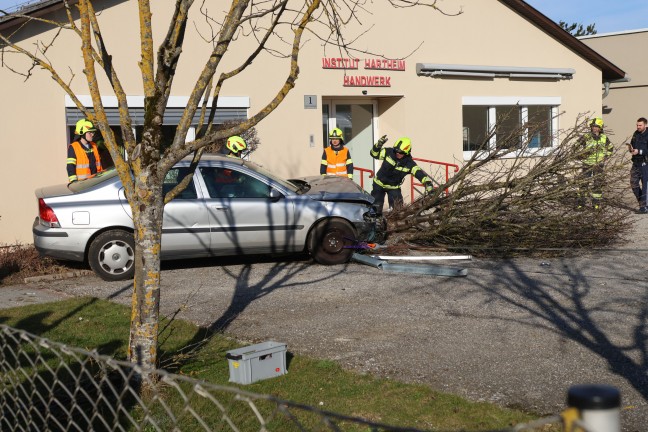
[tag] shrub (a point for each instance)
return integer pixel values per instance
(20, 261)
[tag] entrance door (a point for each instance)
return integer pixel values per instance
(356, 120)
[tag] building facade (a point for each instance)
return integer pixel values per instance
(441, 80)
(625, 99)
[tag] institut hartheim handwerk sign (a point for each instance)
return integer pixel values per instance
(370, 64)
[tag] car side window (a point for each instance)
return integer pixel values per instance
(228, 183)
(175, 176)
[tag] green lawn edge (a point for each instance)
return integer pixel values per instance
(192, 351)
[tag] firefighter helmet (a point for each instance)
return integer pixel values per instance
(236, 144)
(598, 121)
(403, 145)
(336, 134)
(83, 126)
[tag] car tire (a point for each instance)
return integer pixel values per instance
(331, 242)
(112, 255)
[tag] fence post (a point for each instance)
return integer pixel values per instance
(599, 407)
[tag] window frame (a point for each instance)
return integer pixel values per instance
(492, 102)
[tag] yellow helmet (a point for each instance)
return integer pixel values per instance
(336, 134)
(83, 126)
(403, 145)
(236, 144)
(598, 121)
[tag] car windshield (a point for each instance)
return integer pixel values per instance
(82, 185)
(273, 177)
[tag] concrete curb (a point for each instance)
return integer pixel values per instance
(58, 276)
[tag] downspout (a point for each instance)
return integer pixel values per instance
(606, 89)
(606, 85)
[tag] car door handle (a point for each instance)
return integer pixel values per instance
(220, 208)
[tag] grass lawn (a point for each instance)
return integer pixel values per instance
(191, 351)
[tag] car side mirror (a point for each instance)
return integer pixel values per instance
(275, 195)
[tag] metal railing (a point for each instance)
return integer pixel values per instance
(413, 183)
(363, 171)
(48, 386)
(445, 165)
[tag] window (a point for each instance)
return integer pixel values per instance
(175, 176)
(104, 154)
(228, 183)
(509, 121)
(325, 121)
(539, 121)
(475, 127)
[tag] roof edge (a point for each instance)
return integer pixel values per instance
(610, 71)
(617, 33)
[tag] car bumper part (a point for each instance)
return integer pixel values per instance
(60, 244)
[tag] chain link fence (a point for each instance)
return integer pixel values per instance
(48, 386)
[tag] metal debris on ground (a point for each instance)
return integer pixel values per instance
(423, 257)
(428, 269)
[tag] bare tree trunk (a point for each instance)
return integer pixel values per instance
(145, 309)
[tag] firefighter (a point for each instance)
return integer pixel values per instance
(336, 158)
(83, 160)
(236, 145)
(597, 148)
(398, 163)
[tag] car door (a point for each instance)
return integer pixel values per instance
(185, 225)
(244, 217)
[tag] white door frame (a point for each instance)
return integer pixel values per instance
(332, 122)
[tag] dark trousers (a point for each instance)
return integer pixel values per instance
(592, 187)
(394, 197)
(639, 181)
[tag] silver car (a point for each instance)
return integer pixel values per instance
(231, 207)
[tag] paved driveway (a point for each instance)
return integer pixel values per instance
(516, 332)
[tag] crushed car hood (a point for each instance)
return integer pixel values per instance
(335, 188)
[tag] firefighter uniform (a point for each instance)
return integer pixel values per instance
(83, 160)
(397, 164)
(597, 147)
(336, 159)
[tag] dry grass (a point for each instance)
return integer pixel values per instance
(20, 261)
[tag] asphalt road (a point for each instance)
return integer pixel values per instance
(517, 333)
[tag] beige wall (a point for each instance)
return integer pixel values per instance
(428, 110)
(626, 101)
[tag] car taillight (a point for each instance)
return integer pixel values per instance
(47, 215)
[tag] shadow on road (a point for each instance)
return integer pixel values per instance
(281, 275)
(562, 302)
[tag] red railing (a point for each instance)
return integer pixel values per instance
(413, 182)
(431, 162)
(362, 173)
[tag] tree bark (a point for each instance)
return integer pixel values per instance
(145, 311)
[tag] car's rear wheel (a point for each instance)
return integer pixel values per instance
(332, 241)
(112, 255)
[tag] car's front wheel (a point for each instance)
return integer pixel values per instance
(112, 255)
(332, 241)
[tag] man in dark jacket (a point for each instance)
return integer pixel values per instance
(398, 163)
(639, 170)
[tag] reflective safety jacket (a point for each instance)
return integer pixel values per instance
(82, 163)
(337, 162)
(393, 171)
(596, 149)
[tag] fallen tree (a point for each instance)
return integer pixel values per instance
(504, 202)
